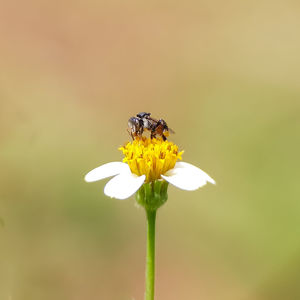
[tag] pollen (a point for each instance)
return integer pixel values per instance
(150, 157)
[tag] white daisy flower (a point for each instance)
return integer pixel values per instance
(147, 169)
(148, 161)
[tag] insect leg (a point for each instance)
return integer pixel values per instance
(130, 133)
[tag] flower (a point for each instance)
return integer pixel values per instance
(148, 161)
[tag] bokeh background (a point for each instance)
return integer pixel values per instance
(225, 76)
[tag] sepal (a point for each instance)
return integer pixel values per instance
(152, 195)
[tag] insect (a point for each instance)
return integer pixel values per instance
(143, 121)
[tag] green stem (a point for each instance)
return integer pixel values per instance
(150, 259)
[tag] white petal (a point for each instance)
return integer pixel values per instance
(187, 177)
(107, 170)
(192, 168)
(123, 185)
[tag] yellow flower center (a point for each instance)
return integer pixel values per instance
(150, 157)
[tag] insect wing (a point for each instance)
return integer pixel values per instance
(171, 130)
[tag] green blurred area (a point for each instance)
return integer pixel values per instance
(225, 76)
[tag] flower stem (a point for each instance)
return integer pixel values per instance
(150, 259)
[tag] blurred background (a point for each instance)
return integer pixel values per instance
(226, 78)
